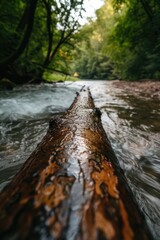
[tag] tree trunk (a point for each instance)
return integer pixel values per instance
(25, 40)
(147, 9)
(71, 187)
(48, 8)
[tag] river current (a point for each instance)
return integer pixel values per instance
(132, 126)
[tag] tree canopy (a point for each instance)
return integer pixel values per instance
(123, 41)
(32, 34)
(126, 37)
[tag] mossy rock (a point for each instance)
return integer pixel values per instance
(6, 84)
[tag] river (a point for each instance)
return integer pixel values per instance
(132, 126)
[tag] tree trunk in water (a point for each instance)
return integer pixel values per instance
(71, 187)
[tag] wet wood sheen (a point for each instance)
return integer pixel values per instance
(71, 187)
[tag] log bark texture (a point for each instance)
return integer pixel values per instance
(71, 187)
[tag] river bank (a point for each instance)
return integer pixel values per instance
(143, 88)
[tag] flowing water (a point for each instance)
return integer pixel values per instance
(132, 125)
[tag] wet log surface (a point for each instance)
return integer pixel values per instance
(71, 187)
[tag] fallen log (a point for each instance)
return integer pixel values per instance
(71, 187)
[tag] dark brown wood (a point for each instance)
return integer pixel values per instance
(71, 186)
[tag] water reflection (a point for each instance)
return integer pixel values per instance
(141, 114)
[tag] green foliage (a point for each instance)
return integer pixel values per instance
(10, 17)
(123, 42)
(93, 66)
(54, 23)
(133, 44)
(55, 77)
(91, 60)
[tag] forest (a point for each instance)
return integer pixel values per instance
(42, 37)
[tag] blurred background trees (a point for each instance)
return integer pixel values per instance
(123, 42)
(38, 36)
